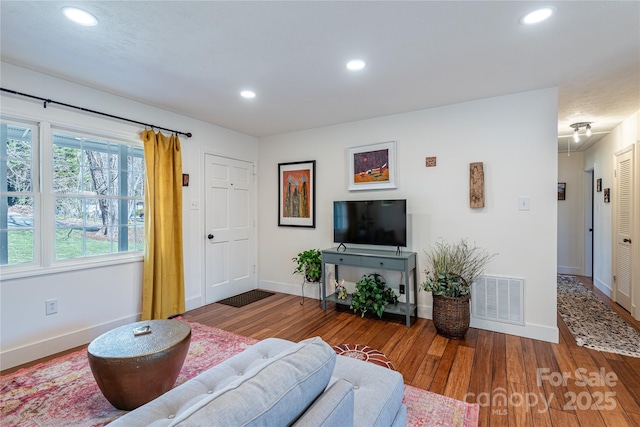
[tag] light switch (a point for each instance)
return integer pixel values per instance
(195, 205)
(524, 203)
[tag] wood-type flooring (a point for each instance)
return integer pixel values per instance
(517, 381)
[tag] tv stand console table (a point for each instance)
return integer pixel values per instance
(378, 260)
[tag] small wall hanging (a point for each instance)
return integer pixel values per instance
(476, 185)
(562, 189)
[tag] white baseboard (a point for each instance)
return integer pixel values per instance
(574, 271)
(193, 303)
(537, 332)
(530, 330)
(603, 287)
(30, 352)
(311, 290)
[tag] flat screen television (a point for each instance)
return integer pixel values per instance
(370, 222)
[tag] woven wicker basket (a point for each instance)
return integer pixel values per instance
(451, 316)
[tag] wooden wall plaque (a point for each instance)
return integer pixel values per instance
(476, 185)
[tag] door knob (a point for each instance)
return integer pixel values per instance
(210, 236)
(626, 240)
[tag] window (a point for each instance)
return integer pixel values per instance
(99, 196)
(89, 201)
(18, 189)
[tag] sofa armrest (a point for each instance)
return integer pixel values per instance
(333, 408)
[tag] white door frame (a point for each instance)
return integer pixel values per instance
(636, 232)
(589, 198)
(203, 218)
(634, 291)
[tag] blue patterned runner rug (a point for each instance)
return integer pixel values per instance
(592, 323)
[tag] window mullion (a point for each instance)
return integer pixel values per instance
(4, 236)
(46, 224)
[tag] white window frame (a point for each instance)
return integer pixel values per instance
(35, 193)
(44, 204)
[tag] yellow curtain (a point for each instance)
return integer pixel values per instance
(163, 288)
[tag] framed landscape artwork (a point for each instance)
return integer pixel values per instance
(297, 194)
(372, 167)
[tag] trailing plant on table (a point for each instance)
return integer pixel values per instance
(372, 294)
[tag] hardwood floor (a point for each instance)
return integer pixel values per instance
(517, 381)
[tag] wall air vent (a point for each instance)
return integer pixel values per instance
(500, 299)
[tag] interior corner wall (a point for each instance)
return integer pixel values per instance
(570, 214)
(516, 164)
(94, 299)
(600, 157)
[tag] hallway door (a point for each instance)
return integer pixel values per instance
(623, 220)
(588, 222)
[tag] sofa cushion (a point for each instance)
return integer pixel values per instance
(333, 408)
(162, 411)
(274, 393)
(378, 391)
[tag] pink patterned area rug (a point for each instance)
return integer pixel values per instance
(62, 392)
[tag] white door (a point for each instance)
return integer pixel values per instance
(229, 228)
(623, 232)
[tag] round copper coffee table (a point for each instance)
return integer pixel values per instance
(136, 363)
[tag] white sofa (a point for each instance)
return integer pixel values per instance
(280, 383)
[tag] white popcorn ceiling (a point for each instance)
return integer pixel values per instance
(194, 58)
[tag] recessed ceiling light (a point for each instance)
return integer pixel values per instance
(356, 64)
(80, 16)
(538, 15)
(248, 94)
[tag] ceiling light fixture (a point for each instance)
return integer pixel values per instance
(80, 16)
(538, 15)
(576, 128)
(356, 64)
(248, 94)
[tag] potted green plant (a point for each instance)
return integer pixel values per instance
(309, 263)
(451, 270)
(372, 294)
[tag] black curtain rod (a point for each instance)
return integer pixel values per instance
(49, 101)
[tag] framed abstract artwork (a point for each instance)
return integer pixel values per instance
(372, 167)
(599, 185)
(297, 194)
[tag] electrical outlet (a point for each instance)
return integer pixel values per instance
(401, 289)
(51, 306)
(195, 205)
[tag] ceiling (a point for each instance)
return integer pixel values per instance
(194, 57)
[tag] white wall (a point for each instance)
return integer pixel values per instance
(97, 299)
(516, 163)
(570, 214)
(94, 300)
(600, 158)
